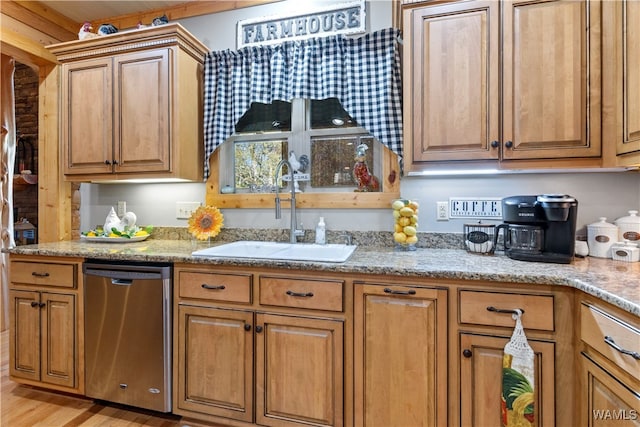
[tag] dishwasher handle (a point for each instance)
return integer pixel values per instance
(133, 273)
(122, 282)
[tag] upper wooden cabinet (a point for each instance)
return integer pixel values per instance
(510, 80)
(131, 105)
(621, 79)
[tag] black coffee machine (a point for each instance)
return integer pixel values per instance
(539, 228)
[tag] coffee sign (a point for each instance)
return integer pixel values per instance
(339, 18)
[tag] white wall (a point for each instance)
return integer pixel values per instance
(599, 194)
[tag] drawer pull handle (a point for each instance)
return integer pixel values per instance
(300, 294)
(214, 288)
(394, 292)
(36, 274)
(504, 310)
(613, 344)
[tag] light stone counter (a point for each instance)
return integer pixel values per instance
(613, 281)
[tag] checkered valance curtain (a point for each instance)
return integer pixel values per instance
(363, 73)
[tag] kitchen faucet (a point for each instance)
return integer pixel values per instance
(294, 232)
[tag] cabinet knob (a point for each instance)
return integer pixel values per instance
(247, 327)
(467, 353)
(41, 304)
(508, 144)
(107, 162)
(495, 144)
(258, 329)
(115, 162)
(34, 304)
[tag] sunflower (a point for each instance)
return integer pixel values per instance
(205, 222)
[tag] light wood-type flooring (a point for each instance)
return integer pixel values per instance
(26, 406)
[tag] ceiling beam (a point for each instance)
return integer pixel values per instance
(37, 15)
(181, 11)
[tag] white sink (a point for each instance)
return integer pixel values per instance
(276, 250)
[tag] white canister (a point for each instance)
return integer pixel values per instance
(625, 251)
(601, 236)
(629, 227)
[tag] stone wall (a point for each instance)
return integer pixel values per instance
(25, 197)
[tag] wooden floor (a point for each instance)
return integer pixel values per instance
(25, 406)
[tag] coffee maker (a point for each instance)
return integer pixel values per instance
(539, 228)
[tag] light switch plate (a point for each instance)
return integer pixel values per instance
(475, 207)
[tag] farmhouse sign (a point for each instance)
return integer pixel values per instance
(338, 18)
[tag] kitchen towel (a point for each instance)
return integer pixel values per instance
(518, 369)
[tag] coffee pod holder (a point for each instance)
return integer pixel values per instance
(479, 238)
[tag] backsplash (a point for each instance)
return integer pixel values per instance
(360, 238)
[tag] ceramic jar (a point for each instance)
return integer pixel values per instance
(629, 227)
(601, 236)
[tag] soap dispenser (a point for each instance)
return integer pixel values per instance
(321, 232)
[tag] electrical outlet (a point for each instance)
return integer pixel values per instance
(185, 209)
(122, 208)
(442, 211)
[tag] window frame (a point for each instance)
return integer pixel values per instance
(387, 170)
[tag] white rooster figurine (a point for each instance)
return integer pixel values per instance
(113, 221)
(85, 31)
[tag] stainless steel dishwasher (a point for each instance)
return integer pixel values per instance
(128, 333)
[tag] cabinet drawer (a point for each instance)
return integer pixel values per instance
(302, 293)
(43, 274)
(538, 309)
(215, 286)
(595, 325)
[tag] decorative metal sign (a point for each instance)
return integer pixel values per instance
(338, 18)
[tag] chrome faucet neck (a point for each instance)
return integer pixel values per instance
(293, 229)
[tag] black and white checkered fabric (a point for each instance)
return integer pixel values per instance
(363, 73)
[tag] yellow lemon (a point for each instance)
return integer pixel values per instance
(91, 234)
(407, 212)
(141, 233)
(404, 221)
(397, 228)
(397, 205)
(400, 237)
(409, 230)
(413, 205)
(414, 219)
(113, 235)
(396, 214)
(412, 239)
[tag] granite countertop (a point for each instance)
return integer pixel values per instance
(613, 281)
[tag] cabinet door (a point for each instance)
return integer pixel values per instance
(606, 401)
(215, 362)
(481, 380)
(400, 363)
(451, 82)
(551, 79)
(141, 109)
(59, 345)
(24, 345)
(299, 371)
(621, 74)
(87, 112)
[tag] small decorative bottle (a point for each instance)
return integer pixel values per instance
(321, 232)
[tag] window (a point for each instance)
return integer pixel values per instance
(319, 129)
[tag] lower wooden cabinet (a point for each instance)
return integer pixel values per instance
(262, 360)
(607, 402)
(299, 372)
(480, 380)
(43, 337)
(215, 362)
(609, 366)
(45, 332)
(400, 356)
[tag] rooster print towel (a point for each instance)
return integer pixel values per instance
(518, 388)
